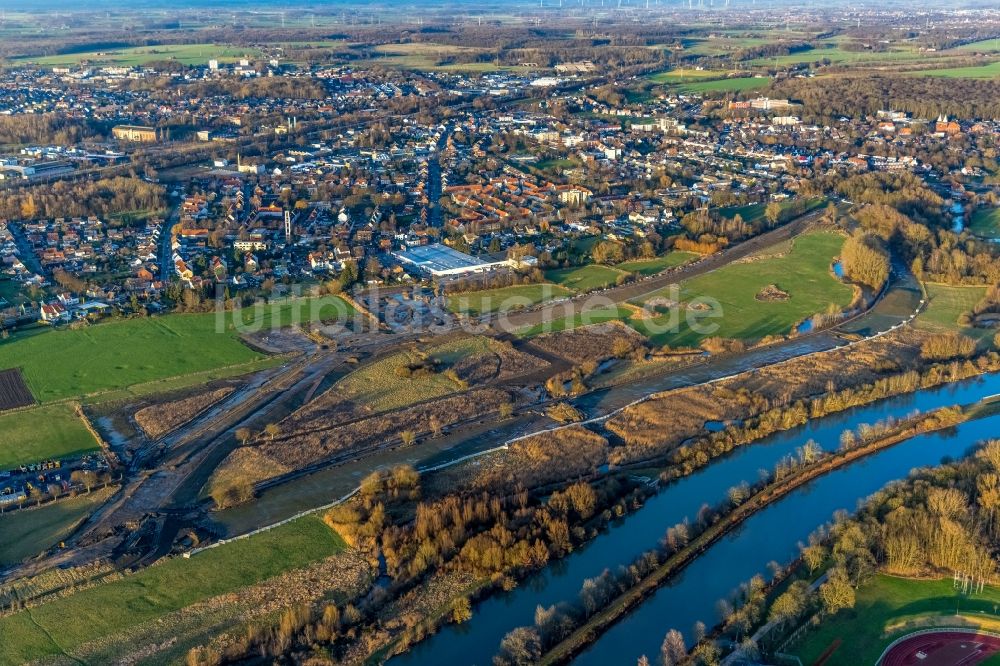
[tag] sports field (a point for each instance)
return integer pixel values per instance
(43, 433)
(727, 301)
(942, 648)
(749, 213)
(62, 625)
(505, 299)
(884, 605)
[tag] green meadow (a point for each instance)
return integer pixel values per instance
(59, 626)
(585, 278)
(728, 297)
(117, 354)
(598, 315)
(504, 299)
(646, 267)
(990, 71)
(43, 433)
(985, 223)
(28, 532)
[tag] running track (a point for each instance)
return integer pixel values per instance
(944, 648)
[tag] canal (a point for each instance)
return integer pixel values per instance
(476, 641)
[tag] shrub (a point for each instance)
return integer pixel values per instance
(947, 346)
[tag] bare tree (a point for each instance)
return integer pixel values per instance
(674, 650)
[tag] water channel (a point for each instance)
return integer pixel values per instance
(773, 534)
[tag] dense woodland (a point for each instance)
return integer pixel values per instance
(104, 198)
(47, 128)
(924, 97)
(905, 215)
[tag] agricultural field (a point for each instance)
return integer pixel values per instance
(13, 391)
(985, 223)
(674, 76)
(990, 71)
(646, 267)
(884, 604)
(69, 363)
(505, 299)
(28, 532)
(63, 625)
(725, 85)
(186, 54)
(585, 278)
(983, 46)
(429, 56)
(738, 311)
(721, 45)
(831, 51)
(43, 433)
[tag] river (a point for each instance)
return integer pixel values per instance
(772, 534)
(476, 641)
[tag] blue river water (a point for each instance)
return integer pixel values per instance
(476, 641)
(772, 534)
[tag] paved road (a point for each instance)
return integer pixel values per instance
(166, 252)
(434, 188)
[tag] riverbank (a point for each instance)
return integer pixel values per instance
(624, 540)
(564, 651)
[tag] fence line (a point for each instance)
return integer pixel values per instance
(336, 502)
(506, 445)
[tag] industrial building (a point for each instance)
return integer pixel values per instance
(442, 261)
